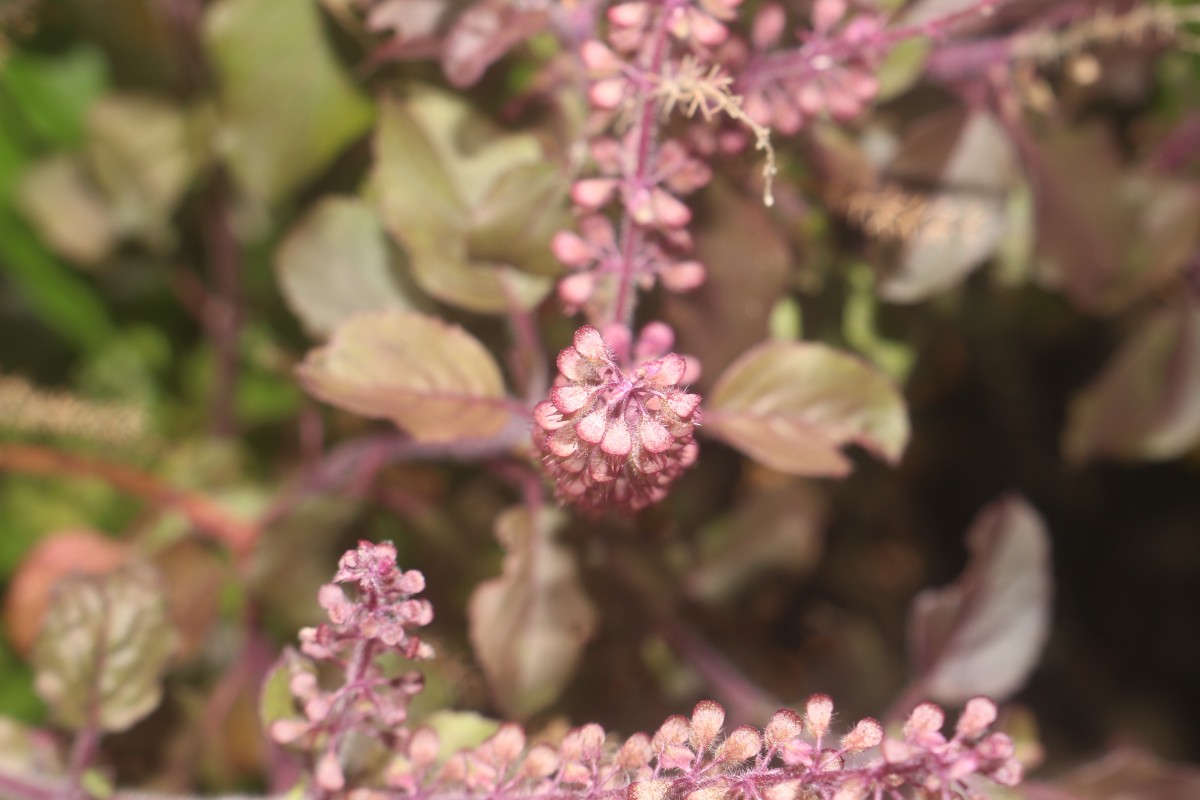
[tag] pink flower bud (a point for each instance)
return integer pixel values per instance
(980, 712)
(329, 772)
(599, 59)
(707, 719)
(574, 290)
(591, 193)
(925, 718)
(628, 15)
(635, 753)
(784, 726)
(706, 30)
(423, 748)
(742, 744)
(818, 712)
(768, 26)
(827, 13)
(866, 734)
(570, 249)
(669, 211)
(683, 276)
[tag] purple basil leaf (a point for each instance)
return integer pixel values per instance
(792, 406)
(1146, 402)
(484, 33)
(528, 626)
(429, 377)
(982, 634)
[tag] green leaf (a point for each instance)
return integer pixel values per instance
(473, 207)
(70, 215)
(139, 153)
(103, 648)
(792, 405)
(288, 106)
(52, 93)
(62, 300)
(529, 626)
(276, 700)
(334, 263)
(430, 378)
(902, 68)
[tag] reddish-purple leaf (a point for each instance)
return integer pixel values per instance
(793, 405)
(982, 634)
(482, 34)
(528, 626)
(1146, 402)
(430, 378)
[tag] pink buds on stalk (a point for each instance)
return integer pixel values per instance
(615, 439)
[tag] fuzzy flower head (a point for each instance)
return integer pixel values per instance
(613, 438)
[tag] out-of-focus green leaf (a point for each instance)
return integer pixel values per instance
(334, 264)
(1146, 402)
(528, 626)
(902, 68)
(276, 700)
(103, 649)
(503, 231)
(793, 405)
(460, 730)
(138, 152)
(70, 215)
(57, 296)
(51, 94)
(430, 378)
(473, 207)
(288, 107)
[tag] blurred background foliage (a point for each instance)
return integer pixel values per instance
(177, 178)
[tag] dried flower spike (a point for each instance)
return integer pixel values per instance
(611, 438)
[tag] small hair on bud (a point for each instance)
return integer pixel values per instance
(745, 742)
(784, 726)
(714, 792)
(925, 718)
(707, 719)
(979, 713)
(830, 761)
(866, 734)
(818, 712)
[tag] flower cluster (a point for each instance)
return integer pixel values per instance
(793, 757)
(832, 73)
(371, 702)
(614, 438)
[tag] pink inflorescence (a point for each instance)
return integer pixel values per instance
(611, 438)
